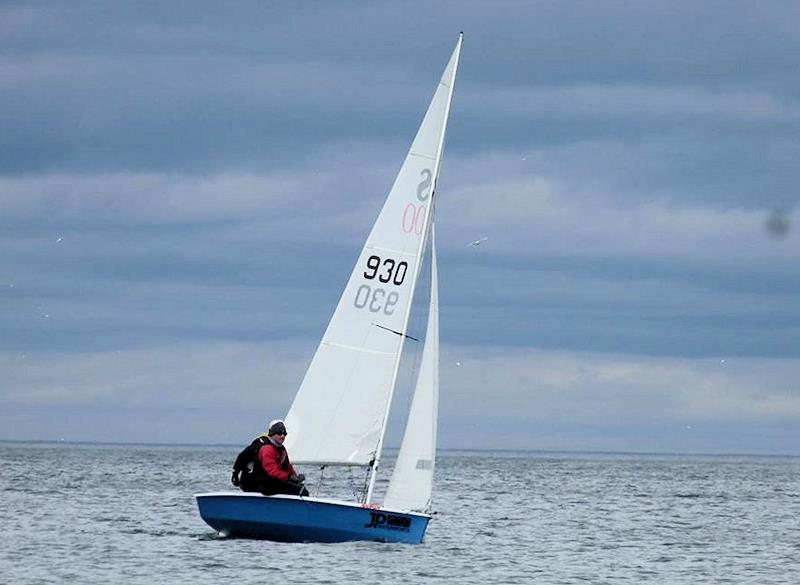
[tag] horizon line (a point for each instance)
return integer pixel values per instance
(451, 449)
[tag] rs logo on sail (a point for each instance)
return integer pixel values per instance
(388, 521)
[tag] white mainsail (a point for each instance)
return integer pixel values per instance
(411, 485)
(339, 414)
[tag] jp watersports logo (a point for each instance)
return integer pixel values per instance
(384, 521)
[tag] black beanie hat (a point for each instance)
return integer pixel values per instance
(277, 427)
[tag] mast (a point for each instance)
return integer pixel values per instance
(437, 164)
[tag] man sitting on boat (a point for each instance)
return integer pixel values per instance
(264, 466)
(280, 477)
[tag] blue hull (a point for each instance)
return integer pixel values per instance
(296, 519)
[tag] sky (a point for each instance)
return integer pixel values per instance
(185, 186)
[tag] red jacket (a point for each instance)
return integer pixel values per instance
(275, 461)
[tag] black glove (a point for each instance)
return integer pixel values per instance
(235, 479)
(299, 478)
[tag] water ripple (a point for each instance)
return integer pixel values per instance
(504, 519)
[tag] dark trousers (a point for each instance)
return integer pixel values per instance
(271, 486)
(250, 483)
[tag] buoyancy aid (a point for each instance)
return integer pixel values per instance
(274, 460)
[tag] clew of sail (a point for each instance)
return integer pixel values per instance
(339, 413)
(411, 485)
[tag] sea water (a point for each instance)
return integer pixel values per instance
(126, 514)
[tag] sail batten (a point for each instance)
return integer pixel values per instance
(390, 250)
(423, 155)
(358, 349)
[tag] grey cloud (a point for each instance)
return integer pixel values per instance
(180, 180)
(152, 394)
(540, 399)
(108, 87)
(566, 399)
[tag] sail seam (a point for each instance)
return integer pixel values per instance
(382, 249)
(361, 349)
(423, 155)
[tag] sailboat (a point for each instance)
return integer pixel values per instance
(340, 413)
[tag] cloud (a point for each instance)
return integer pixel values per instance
(535, 392)
(170, 388)
(632, 102)
(326, 184)
(569, 263)
(191, 189)
(531, 392)
(542, 202)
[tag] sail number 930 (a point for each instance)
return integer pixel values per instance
(387, 271)
(376, 299)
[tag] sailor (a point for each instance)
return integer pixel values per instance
(279, 475)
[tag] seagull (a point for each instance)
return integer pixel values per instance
(478, 241)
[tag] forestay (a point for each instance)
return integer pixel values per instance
(339, 412)
(411, 485)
